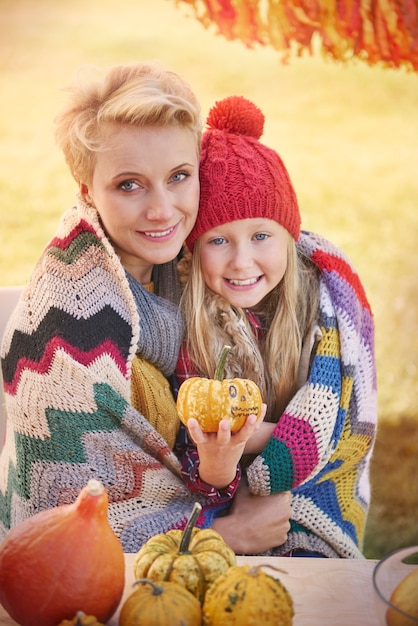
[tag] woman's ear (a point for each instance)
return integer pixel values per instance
(84, 192)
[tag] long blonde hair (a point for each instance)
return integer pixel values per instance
(287, 312)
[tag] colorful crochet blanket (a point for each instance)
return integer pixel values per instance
(66, 361)
(322, 444)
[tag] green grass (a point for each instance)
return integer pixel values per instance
(348, 135)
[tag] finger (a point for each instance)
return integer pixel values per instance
(255, 422)
(195, 431)
(250, 426)
(286, 499)
(224, 432)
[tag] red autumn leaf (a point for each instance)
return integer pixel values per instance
(381, 32)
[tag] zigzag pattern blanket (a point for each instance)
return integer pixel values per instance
(66, 363)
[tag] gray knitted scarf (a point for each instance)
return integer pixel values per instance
(161, 327)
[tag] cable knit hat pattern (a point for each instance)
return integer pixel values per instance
(240, 177)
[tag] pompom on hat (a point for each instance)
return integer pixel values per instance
(240, 177)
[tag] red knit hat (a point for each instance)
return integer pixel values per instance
(239, 176)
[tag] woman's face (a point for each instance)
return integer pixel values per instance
(244, 260)
(145, 187)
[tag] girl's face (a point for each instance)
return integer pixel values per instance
(243, 261)
(145, 187)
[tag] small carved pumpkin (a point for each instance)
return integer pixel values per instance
(162, 604)
(193, 558)
(210, 400)
(246, 595)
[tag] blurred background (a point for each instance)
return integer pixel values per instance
(348, 135)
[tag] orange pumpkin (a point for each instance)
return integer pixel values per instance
(61, 561)
(211, 400)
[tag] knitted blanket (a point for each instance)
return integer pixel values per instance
(322, 444)
(66, 361)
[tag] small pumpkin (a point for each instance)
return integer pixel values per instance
(246, 595)
(211, 400)
(63, 560)
(162, 604)
(193, 558)
(81, 619)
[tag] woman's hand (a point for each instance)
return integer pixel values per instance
(258, 440)
(220, 452)
(255, 523)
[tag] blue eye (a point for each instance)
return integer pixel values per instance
(260, 236)
(179, 176)
(218, 241)
(128, 185)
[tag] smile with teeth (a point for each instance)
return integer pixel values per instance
(162, 233)
(242, 283)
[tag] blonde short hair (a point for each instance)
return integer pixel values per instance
(140, 94)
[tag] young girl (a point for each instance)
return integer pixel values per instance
(295, 313)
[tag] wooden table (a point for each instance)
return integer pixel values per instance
(325, 592)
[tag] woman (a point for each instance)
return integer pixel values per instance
(295, 313)
(87, 353)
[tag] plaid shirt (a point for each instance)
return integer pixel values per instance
(218, 499)
(186, 450)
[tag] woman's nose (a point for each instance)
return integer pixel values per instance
(160, 207)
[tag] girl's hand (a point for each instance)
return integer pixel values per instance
(220, 452)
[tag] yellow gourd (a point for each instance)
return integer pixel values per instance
(193, 558)
(247, 596)
(162, 604)
(81, 619)
(405, 598)
(210, 400)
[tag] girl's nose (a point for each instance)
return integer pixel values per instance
(241, 257)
